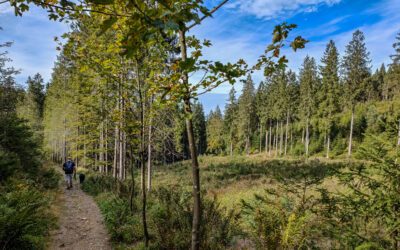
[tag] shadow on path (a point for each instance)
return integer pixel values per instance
(80, 223)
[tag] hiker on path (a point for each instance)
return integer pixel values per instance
(69, 170)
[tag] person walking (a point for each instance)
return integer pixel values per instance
(69, 170)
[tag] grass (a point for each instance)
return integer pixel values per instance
(231, 179)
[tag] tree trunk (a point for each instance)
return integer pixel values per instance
(149, 151)
(351, 133)
(287, 131)
(398, 135)
(231, 148)
(281, 140)
(132, 162)
(120, 158)
(114, 173)
(84, 146)
(266, 139)
(106, 148)
(307, 142)
(101, 149)
(276, 138)
(328, 144)
(195, 164)
(142, 157)
(270, 138)
(260, 132)
(291, 139)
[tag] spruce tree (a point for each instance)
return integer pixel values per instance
(231, 121)
(356, 69)
(308, 85)
(199, 127)
(329, 92)
(246, 113)
(392, 78)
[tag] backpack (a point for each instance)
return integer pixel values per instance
(69, 167)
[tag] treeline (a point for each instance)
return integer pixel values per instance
(25, 218)
(324, 110)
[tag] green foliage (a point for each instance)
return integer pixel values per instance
(122, 224)
(169, 217)
(24, 217)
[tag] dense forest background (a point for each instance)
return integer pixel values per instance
(305, 160)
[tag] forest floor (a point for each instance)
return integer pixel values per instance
(80, 222)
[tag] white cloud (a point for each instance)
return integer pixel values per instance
(33, 50)
(269, 9)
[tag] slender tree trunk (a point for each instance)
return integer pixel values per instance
(307, 138)
(398, 135)
(231, 147)
(328, 144)
(84, 146)
(142, 157)
(266, 139)
(149, 151)
(248, 140)
(281, 140)
(121, 156)
(106, 148)
(132, 162)
(287, 131)
(302, 135)
(260, 132)
(195, 164)
(291, 139)
(276, 138)
(101, 148)
(115, 158)
(351, 132)
(270, 138)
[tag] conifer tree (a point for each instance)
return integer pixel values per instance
(329, 92)
(392, 78)
(356, 69)
(199, 127)
(32, 105)
(246, 113)
(231, 121)
(308, 85)
(215, 133)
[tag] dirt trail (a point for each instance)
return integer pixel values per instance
(80, 223)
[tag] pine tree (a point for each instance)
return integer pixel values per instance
(308, 85)
(329, 92)
(356, 69)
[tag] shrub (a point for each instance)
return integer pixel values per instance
(49, 177)
(96, 184)
(121, 223)
(24, 217)
(171, 218)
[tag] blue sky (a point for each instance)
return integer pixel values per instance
(241, 29)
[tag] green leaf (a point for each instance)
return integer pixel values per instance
(101, 2)
(107, 24)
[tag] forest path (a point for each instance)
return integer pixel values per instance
(80, 223)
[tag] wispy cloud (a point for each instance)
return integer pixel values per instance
(33, 50)
(269, 9)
